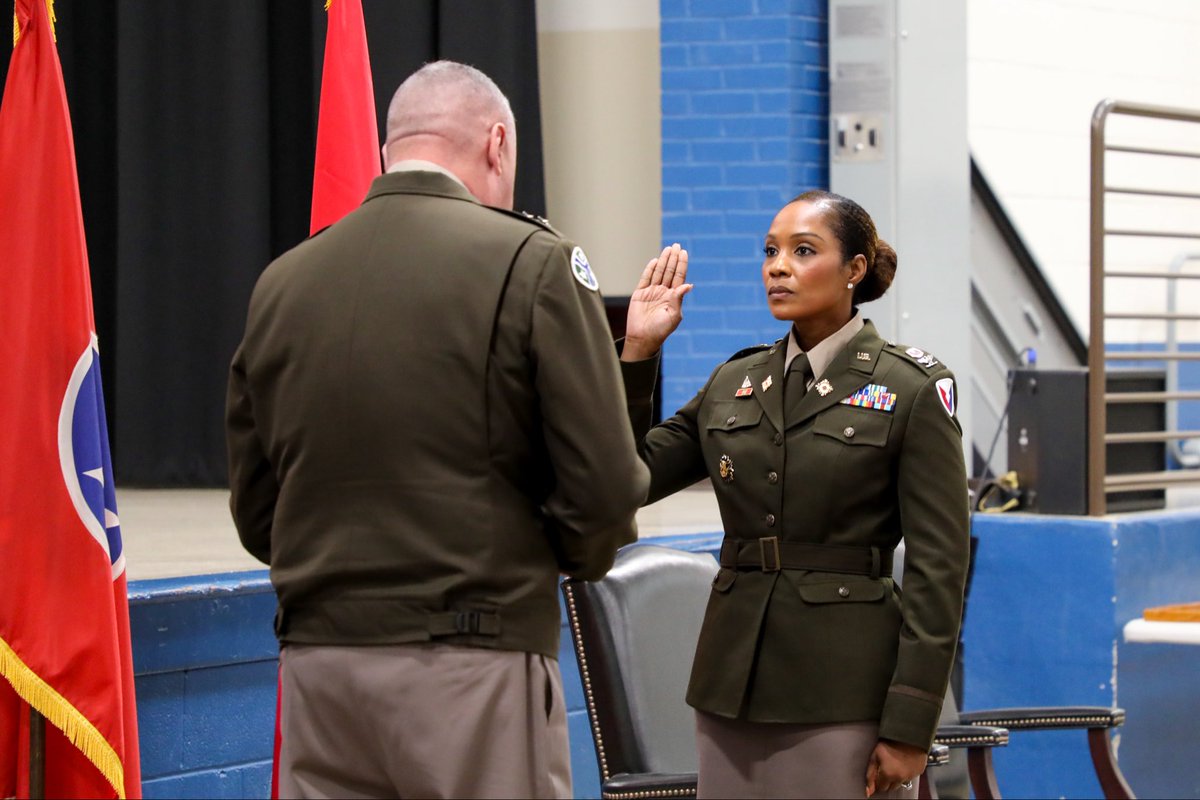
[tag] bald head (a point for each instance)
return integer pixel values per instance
(447, 99)
(455, 116)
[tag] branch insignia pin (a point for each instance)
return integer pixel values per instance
(725, 467)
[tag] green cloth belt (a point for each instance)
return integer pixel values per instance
(771, 555)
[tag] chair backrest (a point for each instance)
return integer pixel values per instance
(635, 633)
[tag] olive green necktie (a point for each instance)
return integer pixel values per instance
(796, 384)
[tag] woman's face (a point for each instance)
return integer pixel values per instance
(803, 271)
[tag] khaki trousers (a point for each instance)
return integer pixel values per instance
(777, 759)
(422, 720)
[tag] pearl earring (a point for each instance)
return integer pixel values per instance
(850, 285)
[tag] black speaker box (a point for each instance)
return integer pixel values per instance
(1047, 438)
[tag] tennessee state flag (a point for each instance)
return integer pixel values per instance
(64, 616)
(348, 156)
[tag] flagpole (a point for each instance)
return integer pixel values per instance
(37, 755)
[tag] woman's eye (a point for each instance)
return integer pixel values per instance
(804, 250)
(770, 250)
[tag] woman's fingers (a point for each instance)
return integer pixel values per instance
(647, 273)
(872, 773)
(669, 269)
(679, 275)
(660, 267)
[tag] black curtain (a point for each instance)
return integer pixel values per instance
(195, 125)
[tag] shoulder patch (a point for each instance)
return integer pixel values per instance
(916, 355)
(947, 394)
(746, 351)
(582, 270)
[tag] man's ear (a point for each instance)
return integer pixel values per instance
(497, 137)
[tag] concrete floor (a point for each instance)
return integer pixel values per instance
(169, 533)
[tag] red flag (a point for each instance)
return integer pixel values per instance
(64, 615)
(348, 155)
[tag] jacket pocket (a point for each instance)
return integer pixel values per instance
(724, 579)
(732, 415)
(840, 591)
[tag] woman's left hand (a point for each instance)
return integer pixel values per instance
(892, 764)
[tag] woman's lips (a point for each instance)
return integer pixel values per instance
(778, 291)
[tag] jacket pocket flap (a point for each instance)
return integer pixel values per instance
(841, 591)
(729, 416)
(855, 427)
(724, 579)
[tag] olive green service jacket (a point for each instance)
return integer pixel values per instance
(872, 453)
(426, 425)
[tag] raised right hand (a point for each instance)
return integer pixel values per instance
(656, 306)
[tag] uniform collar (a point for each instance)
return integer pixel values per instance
(421, 165)
(823, 352)
(419, 181)
(849, 370)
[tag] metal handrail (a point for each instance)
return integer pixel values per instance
(1135, 481)
(1147, 151)
(1149, 397)
(1149, 355)
(1170, 276)
(1170, 315)
(1149, 436)
(1155, 234)
(1152, 192)
(1098, 479)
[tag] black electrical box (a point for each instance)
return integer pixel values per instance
(1047, 438)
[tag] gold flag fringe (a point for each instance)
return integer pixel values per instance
(328, 3)
(78, 729)
(53, 20)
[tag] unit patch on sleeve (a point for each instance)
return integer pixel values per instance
(871, 396)
(582, 270)
(945, 390)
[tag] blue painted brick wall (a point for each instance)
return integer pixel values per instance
(745, 113)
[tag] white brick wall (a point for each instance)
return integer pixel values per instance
(1037, 69)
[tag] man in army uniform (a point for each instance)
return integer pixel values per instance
(406, 453)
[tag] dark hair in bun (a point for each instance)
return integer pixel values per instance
(855, 230)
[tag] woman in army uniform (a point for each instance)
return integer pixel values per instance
(814, 676)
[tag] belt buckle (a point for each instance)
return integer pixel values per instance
(769, 544)
(466, 622)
